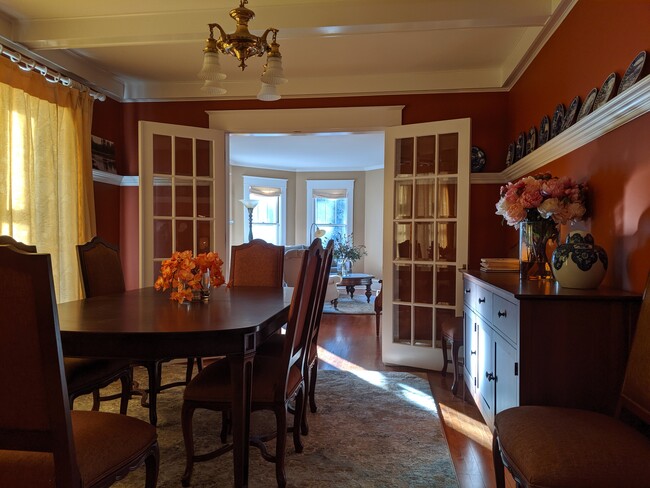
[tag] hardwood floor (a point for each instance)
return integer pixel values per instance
(349, 341)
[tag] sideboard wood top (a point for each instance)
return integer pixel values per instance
(530, 289)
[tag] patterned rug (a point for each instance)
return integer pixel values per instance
(357, 306)
(378, 429)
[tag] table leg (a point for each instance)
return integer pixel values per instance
(350, 290)
(241, 376)
(368, 291)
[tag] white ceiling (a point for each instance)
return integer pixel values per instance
(152, 50)
(334, 151)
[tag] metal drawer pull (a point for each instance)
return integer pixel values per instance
(467, 290)
(490, 376)
(481, 300)
(473, 352)
(502, 314)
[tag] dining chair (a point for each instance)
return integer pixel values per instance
(43, 443)
(256, 263)
(101, 272)
(88, 375)
(276, 380)
(544, 446)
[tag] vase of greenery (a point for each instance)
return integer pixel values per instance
(346, 253)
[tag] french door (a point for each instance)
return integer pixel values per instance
(426, 221)
(183, 194)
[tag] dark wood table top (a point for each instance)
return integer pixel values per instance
(358, 278)
(146, 324)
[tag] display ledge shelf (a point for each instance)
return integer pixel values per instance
(113, 179)
(620, 110)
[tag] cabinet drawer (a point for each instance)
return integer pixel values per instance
(481, 301)
(505, 318)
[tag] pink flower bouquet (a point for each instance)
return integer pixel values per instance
(542, 196)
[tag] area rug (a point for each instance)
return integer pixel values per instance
(356, 306)
(375, 429)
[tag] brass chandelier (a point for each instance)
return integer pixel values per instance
(242, 45)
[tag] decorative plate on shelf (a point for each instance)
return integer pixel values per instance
(520, 146)
(558, 120)
(531, 140)
(478, 160)
(633, 72)
(571, 113)
(605, 92)
(544, 130)
(588, 104)
(510, 157)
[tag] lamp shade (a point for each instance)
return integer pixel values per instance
(274, 74)
(268, 93)
(211, 69)
(213, 88)
(249, 203)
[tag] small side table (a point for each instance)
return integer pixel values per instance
(353, 279)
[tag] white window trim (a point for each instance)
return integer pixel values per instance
(328, 185)
(280, 183)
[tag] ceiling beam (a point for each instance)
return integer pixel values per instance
(293, 20)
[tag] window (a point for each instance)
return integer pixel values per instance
(329, 207)
(269, 215)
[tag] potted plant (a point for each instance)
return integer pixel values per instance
(346, 253)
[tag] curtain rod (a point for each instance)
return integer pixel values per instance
(28, 64)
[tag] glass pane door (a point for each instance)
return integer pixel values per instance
(427, 202)
(181, 175)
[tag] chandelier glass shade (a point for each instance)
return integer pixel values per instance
(242, 45)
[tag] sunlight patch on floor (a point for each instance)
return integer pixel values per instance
(419, 398)
(475, 430)
(373, 377)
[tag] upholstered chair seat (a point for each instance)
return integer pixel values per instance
(102, 441)
(530, 435)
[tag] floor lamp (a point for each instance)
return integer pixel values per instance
(250, 205)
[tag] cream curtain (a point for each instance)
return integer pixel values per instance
(46, 189)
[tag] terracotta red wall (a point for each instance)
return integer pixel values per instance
(597, 38)
(107, 124)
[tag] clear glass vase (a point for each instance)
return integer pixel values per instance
(534, 239)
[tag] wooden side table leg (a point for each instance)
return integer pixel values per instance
(455, 347)
(368, 292)
(445, 359)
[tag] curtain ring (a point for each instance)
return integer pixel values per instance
(27, 65)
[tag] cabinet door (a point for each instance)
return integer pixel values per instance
(485, 370)
(506, 368)
(471, 348)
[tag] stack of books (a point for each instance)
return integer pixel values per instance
(499, 264)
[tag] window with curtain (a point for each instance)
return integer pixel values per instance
(269, 215)
(329, 208)
(46, 192)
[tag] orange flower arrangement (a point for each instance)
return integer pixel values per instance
(184, 273)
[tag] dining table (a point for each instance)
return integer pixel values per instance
(144, 324)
